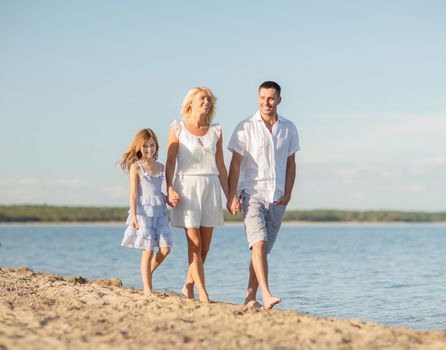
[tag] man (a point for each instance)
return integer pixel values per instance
(262, 174)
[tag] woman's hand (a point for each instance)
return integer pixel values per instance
(172, 198)
(234, 205)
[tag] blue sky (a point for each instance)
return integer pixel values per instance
(364, 81)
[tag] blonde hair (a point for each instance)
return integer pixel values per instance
(133, 153)
(186, 108)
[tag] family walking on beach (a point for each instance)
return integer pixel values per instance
(261, 178)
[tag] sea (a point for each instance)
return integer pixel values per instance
(393, 274)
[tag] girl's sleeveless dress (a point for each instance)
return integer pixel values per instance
(151, 213)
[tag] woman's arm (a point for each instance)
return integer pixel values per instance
(220, 161)
(172, 150)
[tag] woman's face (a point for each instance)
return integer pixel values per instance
(201, 103)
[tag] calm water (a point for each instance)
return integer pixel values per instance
(392, 274)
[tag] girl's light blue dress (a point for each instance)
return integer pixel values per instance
(151, 213)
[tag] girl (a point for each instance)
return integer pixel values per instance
(147, 222)
(195, 149)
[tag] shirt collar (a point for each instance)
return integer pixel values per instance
(258, 117)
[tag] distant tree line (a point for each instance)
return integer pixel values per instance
(46, 213)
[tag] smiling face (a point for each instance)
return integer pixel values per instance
(201, 103)
(148, 149)
(269, 99)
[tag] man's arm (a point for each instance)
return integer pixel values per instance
(289, 180)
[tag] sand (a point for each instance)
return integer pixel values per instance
(41, 311)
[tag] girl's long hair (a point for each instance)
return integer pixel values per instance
(133, 153)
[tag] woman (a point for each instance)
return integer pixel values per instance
(195, 148)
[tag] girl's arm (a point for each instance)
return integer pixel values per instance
(134, 178)
(172, 150)
(220, 161)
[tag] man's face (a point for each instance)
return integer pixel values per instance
(268, 102)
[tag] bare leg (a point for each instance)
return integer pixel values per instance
(251, 293)
(146, 273)
(206, 238)
(260, 265)
(195, 261)
(159, 258)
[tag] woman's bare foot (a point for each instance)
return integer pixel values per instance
(270, 302)
(188, 290)
(147, 292)
(204, 297)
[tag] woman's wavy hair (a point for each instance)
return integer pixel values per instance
(186, 108)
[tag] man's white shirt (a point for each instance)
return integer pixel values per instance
(265, 155)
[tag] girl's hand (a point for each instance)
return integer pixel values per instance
(172, 198)
(134, 223)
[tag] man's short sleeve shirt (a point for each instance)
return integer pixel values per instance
(265, 155)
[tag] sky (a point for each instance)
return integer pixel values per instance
(364, 82)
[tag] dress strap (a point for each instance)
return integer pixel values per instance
(176, 126)
(160, 169)
(217, 128)
(143, 171)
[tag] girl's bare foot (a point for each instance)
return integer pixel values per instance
(270, 302)
(188, 290)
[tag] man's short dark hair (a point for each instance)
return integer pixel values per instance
(270, 85)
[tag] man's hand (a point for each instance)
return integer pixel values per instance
(282, 200)
(234, 205)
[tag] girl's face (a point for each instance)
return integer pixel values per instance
(201, 103)
(148, 149)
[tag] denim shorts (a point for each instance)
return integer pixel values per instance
(262, 220)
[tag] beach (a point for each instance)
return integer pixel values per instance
(43, 311)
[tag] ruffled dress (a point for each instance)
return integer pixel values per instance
(151, 213)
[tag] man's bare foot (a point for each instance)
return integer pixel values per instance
(147, 292)
(270, 302)
(253, 303)
(188, 291)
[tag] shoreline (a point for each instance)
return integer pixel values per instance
(40, 310)
(229, 223)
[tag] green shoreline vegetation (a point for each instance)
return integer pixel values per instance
(48, 213)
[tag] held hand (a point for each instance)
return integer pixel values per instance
(233, 205)
(229, 205)
(282, 200)
(172, 198)
(238, 207)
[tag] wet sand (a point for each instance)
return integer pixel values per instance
(41, 311)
